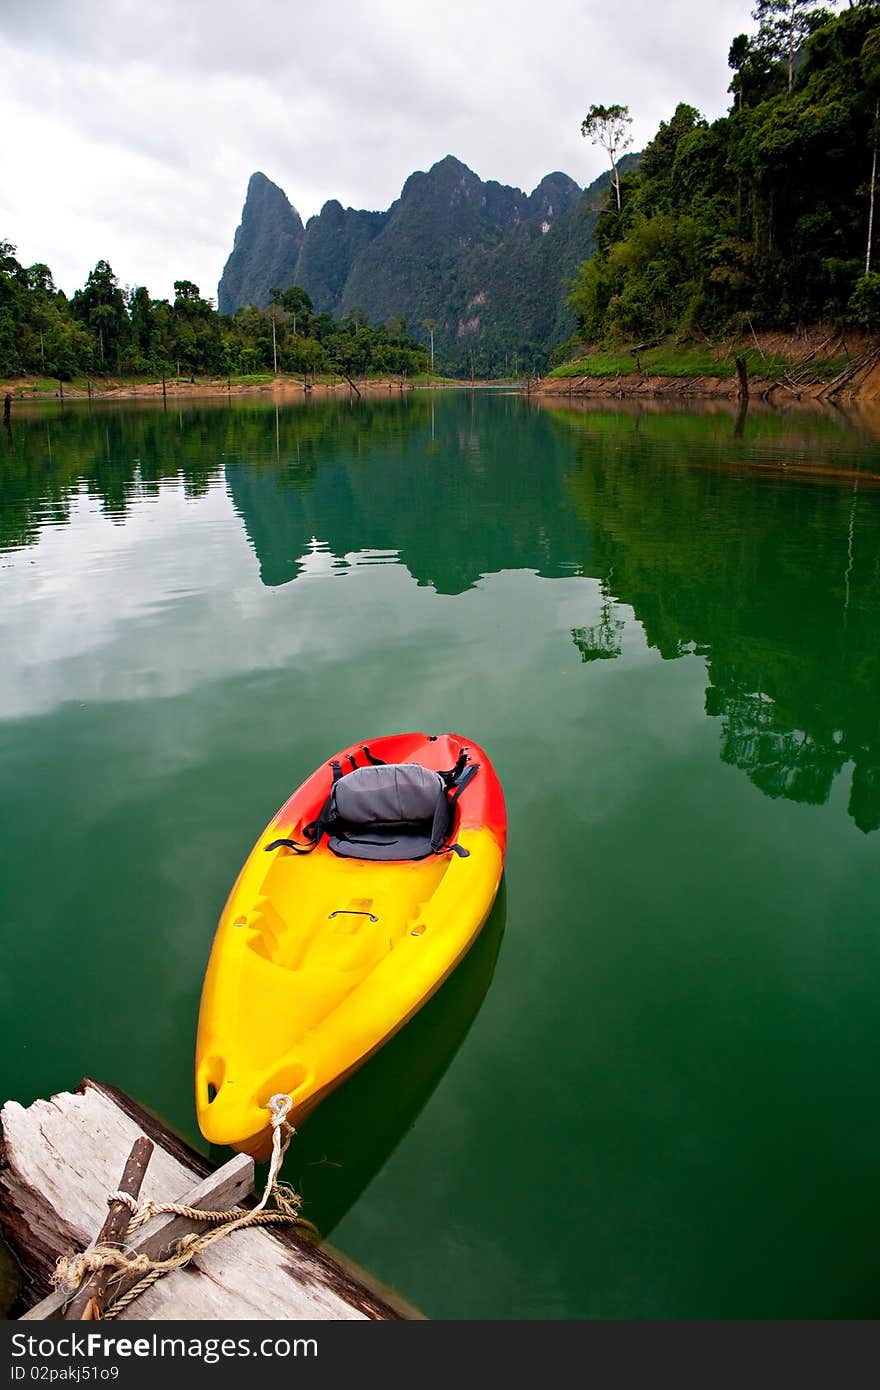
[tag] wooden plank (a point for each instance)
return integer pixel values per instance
(60, 1158)
(219, 1191)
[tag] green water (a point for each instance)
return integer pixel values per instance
(650, 1090)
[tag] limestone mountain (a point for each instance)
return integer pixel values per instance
(333, 240)
(487, 262)
(266, 248)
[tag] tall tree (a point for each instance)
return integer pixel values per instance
(784, 24)
(196, 329)
(298, 304)
(870, 62)
(101, 305)
(140, 313)
(753, 68)
(430, 326)
(608, 126)
(276, 314)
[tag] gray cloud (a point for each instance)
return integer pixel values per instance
(130, 131)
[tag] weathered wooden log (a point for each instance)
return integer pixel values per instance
(91, 1298)
(351, 384)
(60, 1159)
(850, 372)
(219, 1191)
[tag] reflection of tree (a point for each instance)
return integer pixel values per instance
(782, 762)
(110, 453)
(864, 797)
(776, 584)
(604, 640)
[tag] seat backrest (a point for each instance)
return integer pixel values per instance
(390, 794)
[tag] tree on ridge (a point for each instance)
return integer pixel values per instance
(608, 126)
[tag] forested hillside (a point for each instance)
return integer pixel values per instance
(483, 261)
(764, 218)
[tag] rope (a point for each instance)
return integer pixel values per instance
(71, 1270)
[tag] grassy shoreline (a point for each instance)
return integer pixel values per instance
(682, 362)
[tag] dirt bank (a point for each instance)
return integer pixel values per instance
(853, 357)
(25, 390)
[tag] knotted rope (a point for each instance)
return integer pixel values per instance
(71, 1270)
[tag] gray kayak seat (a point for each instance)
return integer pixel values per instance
(389, 811)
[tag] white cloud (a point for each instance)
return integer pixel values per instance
(130, 131)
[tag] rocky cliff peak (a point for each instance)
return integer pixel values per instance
(265, 250)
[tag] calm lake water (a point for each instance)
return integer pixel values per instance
(650, 1090)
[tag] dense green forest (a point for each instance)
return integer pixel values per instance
(105, 330)
(764, 218)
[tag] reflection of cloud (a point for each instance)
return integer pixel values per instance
(95, 585)
(167, 601)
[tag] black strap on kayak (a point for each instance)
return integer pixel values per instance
(291, 844)
(466, 776)
(452, 777)
(353, 760)
(377, 762)
(461, 779)
(315, 829)
(312, 833)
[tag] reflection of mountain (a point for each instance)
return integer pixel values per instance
(354, 1132)
(435, 481)
(776, 583)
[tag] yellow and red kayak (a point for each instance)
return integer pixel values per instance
(351, 910)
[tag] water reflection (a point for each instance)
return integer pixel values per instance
(419, 481)
(776, 584)
(603, 640)
(687, 520)
(51, 458)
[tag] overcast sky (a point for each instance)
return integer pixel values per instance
(130, 129)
